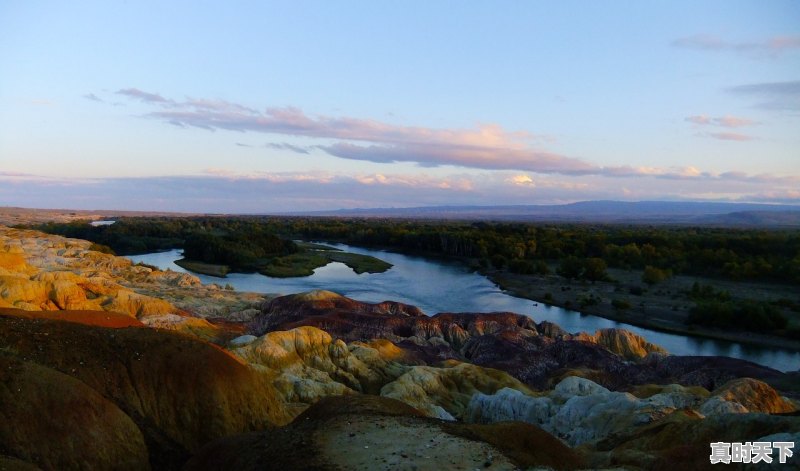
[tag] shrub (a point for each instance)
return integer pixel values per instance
(594, 269)
(102, 248)
(620, 304)
(746, 315)
(653, 275)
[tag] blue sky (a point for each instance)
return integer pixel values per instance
(281, 106)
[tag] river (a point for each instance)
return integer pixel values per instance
(436, 286)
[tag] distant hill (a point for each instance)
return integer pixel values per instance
(641, 212)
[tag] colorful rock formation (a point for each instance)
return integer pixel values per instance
(108, 365)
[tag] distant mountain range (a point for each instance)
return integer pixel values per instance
(641, 212)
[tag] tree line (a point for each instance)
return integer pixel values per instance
(582, 250)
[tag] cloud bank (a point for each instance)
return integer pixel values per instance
(778, 96)
(765, 48)
(488, 147)
(224, 191)
(724, 121)
(730, 122)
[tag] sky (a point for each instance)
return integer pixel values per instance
(268, 107)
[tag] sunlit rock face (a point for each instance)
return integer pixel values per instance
(445, 392)
(308, 364)
(746, 395)
(622, 342)
(63, 274)
(41, 272)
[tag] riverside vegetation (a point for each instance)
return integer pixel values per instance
(216, 246)
(677, 279)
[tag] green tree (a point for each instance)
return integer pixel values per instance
(595, 269)
(653, 275)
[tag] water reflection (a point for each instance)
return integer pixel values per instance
(448, 287)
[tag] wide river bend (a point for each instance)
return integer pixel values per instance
(436, 286)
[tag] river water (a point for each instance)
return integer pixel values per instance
(436, 286)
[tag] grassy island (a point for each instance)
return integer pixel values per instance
(304, 263)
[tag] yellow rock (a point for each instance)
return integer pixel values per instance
(754, 395)
(622, 342)
(446, 392)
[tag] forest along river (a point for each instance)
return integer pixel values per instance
(435, 287)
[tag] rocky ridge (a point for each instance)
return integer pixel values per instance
(40, 272)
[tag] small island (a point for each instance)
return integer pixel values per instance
(218, 255)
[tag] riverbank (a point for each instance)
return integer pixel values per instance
(210, 269)
(663, 307)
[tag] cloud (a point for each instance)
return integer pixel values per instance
(769, 47)
(791, 196)
(289, 147)
(729, 136)
(724, 121)
(437, 154)
(219, 172)
(93, 97)
(774, 95)
(673, 173)
(487, 146)
(225, 191)
(144, 97)
(525, 180)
